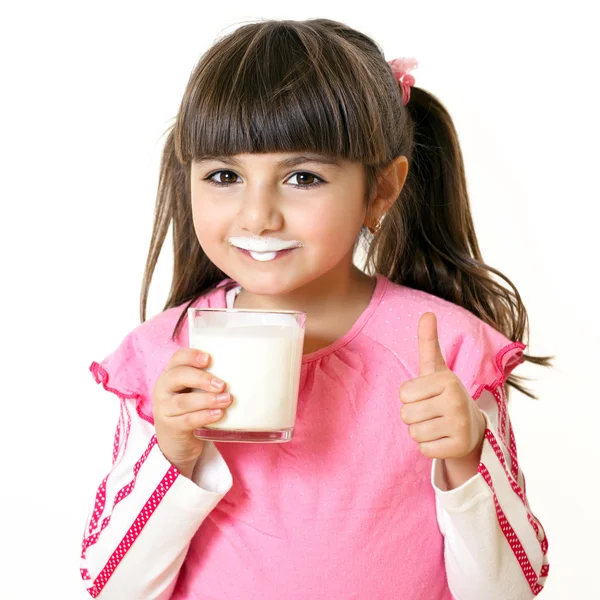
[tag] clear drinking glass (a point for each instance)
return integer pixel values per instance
(258, 353)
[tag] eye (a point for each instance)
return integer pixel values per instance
(307, 179)
(224, 178)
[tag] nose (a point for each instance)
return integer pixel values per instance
(259, 211)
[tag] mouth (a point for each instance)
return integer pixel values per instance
(265, 256)
(264, 249)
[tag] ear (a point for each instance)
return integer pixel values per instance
(389, 185)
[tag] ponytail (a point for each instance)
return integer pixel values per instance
(427, 240)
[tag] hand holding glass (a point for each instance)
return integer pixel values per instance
(258, 354)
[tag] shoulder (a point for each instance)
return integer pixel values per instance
(481, 355)
(401, 308)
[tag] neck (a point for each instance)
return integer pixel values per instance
(331, 293)
(332, 305)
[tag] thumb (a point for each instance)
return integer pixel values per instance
(430, 353)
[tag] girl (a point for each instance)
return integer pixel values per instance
(402, 479)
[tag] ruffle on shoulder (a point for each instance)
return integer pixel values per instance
(122, 374)
(485, 358)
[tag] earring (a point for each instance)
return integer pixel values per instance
(377, 227)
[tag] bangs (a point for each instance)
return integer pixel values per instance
(278, 87)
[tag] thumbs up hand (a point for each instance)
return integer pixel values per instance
(441, 415)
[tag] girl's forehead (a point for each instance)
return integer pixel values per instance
(276, 159)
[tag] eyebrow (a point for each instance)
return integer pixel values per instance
(292, 161)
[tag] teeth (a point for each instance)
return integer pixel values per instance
(263, 256)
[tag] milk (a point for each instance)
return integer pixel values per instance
(259, 356)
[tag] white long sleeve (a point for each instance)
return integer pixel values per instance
(494, 547)
(144, 499)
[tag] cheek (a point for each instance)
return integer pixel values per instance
(200, 225)
(209, 222)
(210, 232)
(334, 225)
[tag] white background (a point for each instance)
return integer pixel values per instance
(88, 90)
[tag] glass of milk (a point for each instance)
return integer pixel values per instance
(258, 354)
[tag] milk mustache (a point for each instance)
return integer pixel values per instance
(259, 356)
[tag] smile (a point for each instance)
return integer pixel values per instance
(265, 256)
(264, 249)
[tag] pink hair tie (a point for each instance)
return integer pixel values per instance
(401, 68)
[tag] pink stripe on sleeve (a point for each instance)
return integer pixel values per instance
(133, 532)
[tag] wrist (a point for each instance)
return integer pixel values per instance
(185, 471)
(185, 466)
(458, 470)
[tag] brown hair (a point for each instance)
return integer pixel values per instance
(319, 85)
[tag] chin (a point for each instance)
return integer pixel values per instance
(270, 279)
(270, 282)
(266, 284)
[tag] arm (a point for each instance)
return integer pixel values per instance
(143, 504)
(494, 546)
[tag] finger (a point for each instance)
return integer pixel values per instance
(442, 448)
(188, 356)
(431, 358)
(198, 419)
(416, 390)
(180, 404)
(428, 431)
(183, 378)
(417, 412)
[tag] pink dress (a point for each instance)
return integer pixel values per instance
(346, 509)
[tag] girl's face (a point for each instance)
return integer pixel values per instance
(247, 207)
